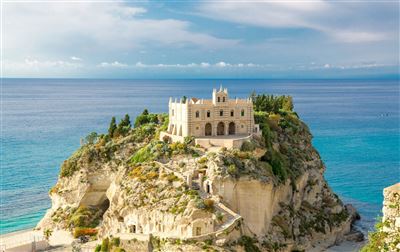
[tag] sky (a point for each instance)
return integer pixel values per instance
(200, 39)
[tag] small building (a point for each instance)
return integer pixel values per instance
(219, 118)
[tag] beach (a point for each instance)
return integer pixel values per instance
(23, 240)
(20, 241)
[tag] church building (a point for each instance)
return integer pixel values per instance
(218, 117)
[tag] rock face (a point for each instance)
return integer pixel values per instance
(386, 236)
(391, 216)
(269, 196)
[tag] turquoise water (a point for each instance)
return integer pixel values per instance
(355, 126)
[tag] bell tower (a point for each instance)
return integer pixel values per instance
(220, 97)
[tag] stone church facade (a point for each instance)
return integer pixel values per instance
(214, 118)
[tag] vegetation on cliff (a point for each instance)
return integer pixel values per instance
(135, 159)
(386, 236)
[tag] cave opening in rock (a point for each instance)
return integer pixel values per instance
(105, 205)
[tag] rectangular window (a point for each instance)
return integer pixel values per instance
(219, 99)
(223, 99)
(221, 113)
(208, 113)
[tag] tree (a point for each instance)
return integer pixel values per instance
(184, 99)
(288, 103)
(113, 127)
(105, 245)
(141, 119)
(91, 138)
(47, 233)
(126, 121)
(145, 112)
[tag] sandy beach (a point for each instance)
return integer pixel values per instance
(21, 241)
(25, 240)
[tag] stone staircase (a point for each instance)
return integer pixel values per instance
(231, 218)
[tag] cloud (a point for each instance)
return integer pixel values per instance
(33, 67)
(75, 58)
(113, 64)
(59, 29)
(34, 63)
(220, 64)
(345, 22)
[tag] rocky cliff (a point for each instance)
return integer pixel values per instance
(387, 234)
(268, 196)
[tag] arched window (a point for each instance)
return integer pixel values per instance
(219, 99)
(232, 113)
(221, 112)
(223, 99)
(242, 112)
(208, 113)
(197, 114)
(172, 112)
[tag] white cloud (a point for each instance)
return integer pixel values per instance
(113, 64)
(45, 29)
(355, 65)
(347, 26)
(34, 63)
(220, 64)
(358, 37)
(32, 67)
(75, 58)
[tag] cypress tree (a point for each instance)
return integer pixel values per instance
(112, 128)
(126, 121)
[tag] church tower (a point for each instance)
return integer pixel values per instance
(220, 97)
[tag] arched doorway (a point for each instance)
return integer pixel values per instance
(208, 129)
(220, 128)
(232, 128)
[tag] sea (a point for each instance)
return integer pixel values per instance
(355, 124)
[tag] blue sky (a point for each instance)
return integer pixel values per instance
(201, 39)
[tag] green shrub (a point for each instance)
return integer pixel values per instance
(232, 170)
(146, 118)
(115, 241)
(68, 168)
(98, 248)
(119, 250)
(248, 244)
(202, 160)
(278, 168)
(105, 245)
(189, 140)
(91, 138)
(219, 216)
(248, 146)
(85, 217)
(142, 155)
